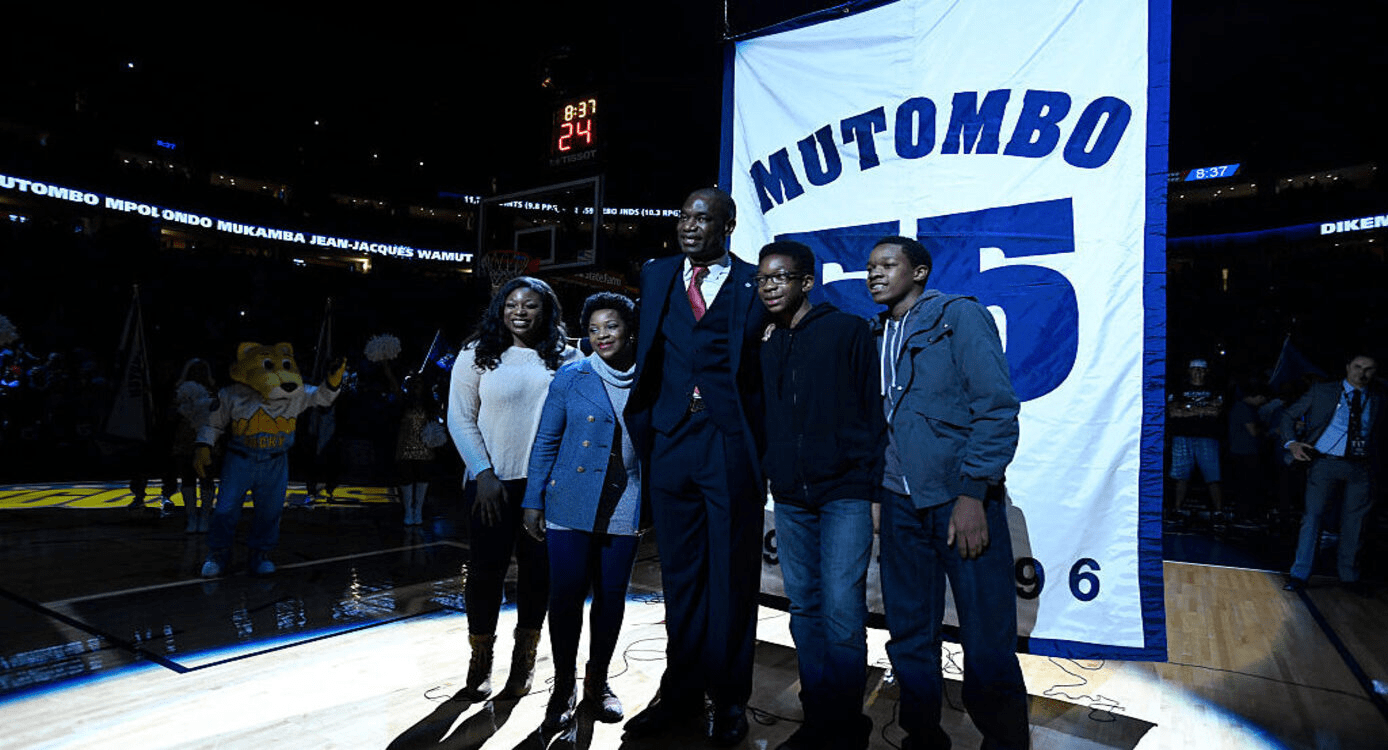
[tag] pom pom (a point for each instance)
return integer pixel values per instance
(434, 434)
(191, 398)
(8, 333)
(383, 347)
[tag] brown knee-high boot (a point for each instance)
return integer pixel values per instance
(522, 663)
(479, 670)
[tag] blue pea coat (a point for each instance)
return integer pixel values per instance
(568, 462)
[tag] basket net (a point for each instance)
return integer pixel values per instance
(503, 265)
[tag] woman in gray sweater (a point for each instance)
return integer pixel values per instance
(498, 388)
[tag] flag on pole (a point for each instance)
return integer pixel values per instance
(434, 353)
(1291, 365)
(323, 350)
(132, 412)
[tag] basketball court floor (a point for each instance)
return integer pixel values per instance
(109, 639)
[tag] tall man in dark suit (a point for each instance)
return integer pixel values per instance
(1341, 442)
(695, 414)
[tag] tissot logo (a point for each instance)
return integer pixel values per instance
(975, 254)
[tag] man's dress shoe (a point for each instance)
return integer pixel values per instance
(662, 716)
(729, 725)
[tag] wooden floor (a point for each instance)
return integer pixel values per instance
(108, 639)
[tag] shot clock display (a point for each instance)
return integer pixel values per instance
(573, 138)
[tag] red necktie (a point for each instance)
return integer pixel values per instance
(696, 301)
(696, 295)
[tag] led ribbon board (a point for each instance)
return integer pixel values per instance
(173, 217)
(1025, 144)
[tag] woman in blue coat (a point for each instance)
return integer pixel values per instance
(584, 500)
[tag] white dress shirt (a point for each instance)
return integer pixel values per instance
(713, 281)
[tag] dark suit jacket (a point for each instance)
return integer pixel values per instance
(1317, 407)
(662, 284)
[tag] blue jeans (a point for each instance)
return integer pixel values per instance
(824, 554)
(579, 562)
(267, 478)
(915, 562)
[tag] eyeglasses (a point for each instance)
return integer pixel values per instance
(777, 279)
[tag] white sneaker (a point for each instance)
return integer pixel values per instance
(263, 567)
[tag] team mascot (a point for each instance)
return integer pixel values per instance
(261, 408)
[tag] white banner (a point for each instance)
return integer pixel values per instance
(1024, 144)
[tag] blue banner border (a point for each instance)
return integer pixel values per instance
(1150, 577)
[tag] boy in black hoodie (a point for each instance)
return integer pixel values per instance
(825, 432)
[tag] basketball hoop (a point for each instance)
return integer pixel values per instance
(503, 265)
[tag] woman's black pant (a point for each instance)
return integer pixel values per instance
(489, 555)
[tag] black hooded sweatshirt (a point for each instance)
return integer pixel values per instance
(825, 431)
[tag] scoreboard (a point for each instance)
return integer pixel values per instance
(575, 131)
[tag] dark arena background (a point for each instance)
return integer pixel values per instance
(171, 187)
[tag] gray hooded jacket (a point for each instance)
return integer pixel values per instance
(948, 399)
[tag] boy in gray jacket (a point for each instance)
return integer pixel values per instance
(952, 417)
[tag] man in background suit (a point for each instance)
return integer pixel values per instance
(695, 414)
(1341, 443)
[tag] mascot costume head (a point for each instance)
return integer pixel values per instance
(270, 370)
